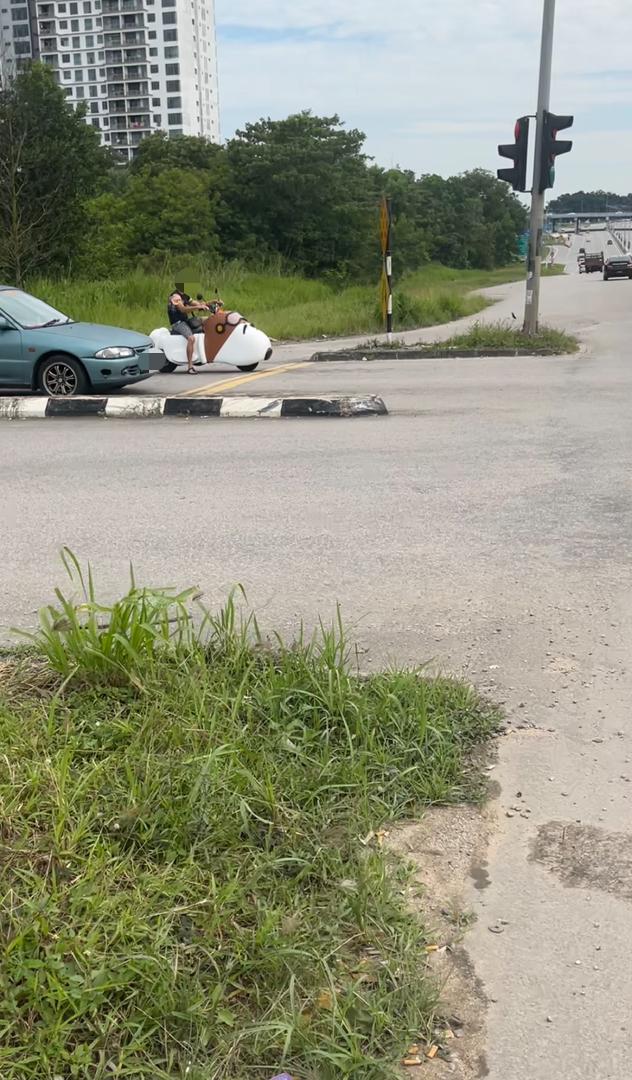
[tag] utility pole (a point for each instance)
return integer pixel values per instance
(534, 258)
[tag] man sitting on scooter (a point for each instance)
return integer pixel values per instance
(180, 308)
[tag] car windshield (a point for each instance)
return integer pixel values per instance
(29, 312)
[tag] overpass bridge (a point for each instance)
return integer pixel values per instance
(552, 218)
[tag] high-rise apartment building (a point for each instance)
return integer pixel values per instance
(139, 65)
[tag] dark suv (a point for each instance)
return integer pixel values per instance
(617, 266)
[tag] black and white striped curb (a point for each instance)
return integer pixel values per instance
(146, 407)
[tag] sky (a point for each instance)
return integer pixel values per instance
(436, 84)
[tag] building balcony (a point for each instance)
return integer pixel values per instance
(135, 56)
(119, 138)
(138, 105)
(46, 11)
(111, 22)
(48, 45)
(47, 27)
(113, 59)
(112, 41)
(137, 71)
(133, 37)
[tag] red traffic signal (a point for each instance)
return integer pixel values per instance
(517, 151)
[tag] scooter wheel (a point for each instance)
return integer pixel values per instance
(168, 367)
(247, 367)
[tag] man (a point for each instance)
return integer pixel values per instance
(179, 309)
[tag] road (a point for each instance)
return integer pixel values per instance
(486, 523)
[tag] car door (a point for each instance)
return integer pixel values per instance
(12, 365)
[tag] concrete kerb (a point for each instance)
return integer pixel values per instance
(146, 407)
(423, 353)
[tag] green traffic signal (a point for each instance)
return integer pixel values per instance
(551, 147)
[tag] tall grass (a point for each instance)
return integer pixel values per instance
(192, 880)
(286, 306)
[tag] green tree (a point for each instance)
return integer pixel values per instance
(301, 188)
(154, 213)
(50, 163)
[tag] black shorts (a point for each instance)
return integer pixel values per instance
(182, 328)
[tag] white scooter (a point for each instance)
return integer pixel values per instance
(225, 336)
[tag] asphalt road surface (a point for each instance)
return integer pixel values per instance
(486, 524)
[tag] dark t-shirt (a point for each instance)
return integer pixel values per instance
(174, 313)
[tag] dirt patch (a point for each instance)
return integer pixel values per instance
(584, 856)
(447, 849)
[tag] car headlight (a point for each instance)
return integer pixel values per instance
(115, 352)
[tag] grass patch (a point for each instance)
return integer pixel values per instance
(286, 306)
(185, 889)
(500, 336)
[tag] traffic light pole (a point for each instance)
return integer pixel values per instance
(534, 258)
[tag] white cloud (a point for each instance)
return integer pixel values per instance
(434, 86)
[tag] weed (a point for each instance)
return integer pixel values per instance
(184, 889)
(500, 335)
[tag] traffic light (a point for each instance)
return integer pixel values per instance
(517, 151)
(551, 148)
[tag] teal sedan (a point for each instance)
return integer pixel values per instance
(42, 349)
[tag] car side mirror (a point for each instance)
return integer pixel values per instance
(5, 324)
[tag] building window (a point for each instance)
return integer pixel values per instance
(171, 51)
(73, 9)
(61, 9)
(90, 58)
(67, 75)
(80, 91)
(63, 24)
(157, 121)
(170, 35)
(172, 69)
(19, 14)
(173, 85)
(76, 43)
(174, 118)
(94, 106)
(174, 103)
(153, 52)
(92, 75)
(151, 34)
(65, 58)
(93, 91)
(155, 102)
(22, 48)
(155, 86)
(87, 7)
(74, 26)
(21, 31)
(90, 42)
(151, 18)
(76, 59)
(168, 17)
(95, 123)
(154, 69)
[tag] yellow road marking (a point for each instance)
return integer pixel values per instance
(228, 384)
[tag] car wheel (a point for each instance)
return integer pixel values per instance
(61, 376)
